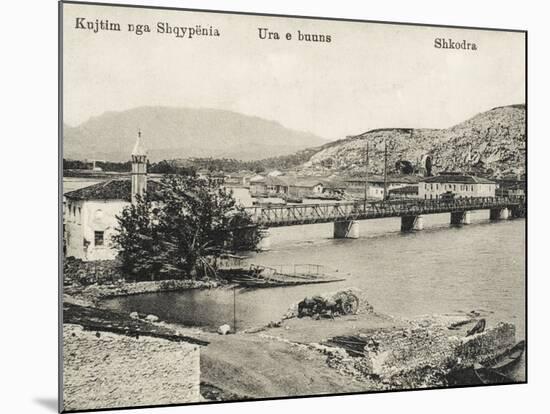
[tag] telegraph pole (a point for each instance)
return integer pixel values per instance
(469, 159)
(366, 175)
(234, 311)
(385, 169)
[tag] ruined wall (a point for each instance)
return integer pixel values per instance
(482, 347)
(423, 356)
(118, 371)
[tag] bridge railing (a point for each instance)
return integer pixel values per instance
(357, 210)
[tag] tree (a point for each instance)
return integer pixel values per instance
(404, 167)
(178, 230)
(170, 167)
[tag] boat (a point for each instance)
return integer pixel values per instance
(486, 376)
(509, 359)
(495, 371)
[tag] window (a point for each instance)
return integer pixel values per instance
(98, 238)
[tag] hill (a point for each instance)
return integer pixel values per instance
(490, 143)
(181, 133)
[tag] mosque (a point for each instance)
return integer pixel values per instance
(90, 212)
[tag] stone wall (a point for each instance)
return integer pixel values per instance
(104, 370)
(86, 273)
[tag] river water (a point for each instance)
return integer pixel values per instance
(441, 269)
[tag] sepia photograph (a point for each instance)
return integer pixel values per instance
(262, 206)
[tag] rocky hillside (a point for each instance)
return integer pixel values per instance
(491, 143)
(171, 133)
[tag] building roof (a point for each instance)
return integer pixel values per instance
(458, 178)
(276, 180)
(392, 179)
(408, 189)
(110, 190)
(257, 178)
(308, 182)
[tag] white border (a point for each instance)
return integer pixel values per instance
(28, 30)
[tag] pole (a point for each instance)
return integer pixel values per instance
(366, 176)
(234, 310)
(385, 169)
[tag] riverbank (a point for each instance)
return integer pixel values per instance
(300, 356)
(94, 293)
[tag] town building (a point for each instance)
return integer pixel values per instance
(241, 179)
(269, 186)
(375, 185)
(257, 186)
(458, 185)
(295, 187)
(408, 191)
(90, 212)
(511, 186)
(307, 187)
(217, 177)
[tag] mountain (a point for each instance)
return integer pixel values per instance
(491, 143)
(181, 133)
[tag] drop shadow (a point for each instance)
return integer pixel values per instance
(49, 403)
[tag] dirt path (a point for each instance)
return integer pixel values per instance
(277, 362)
(250, 366)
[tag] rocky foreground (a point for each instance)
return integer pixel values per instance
(308, 356)
(107, 354)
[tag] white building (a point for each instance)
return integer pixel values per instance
(375, 185)
(458, 184)
(90, 212)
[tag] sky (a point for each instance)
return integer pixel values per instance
(369, 76)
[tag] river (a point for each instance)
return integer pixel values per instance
(438, 270)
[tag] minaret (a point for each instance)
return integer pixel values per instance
(139, 169)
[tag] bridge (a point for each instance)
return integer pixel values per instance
(345, 215)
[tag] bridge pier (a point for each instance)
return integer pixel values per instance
(461, 217)
(517, 211)
(499, 214)
(409, 223)
(265, 242)
(346, 229)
